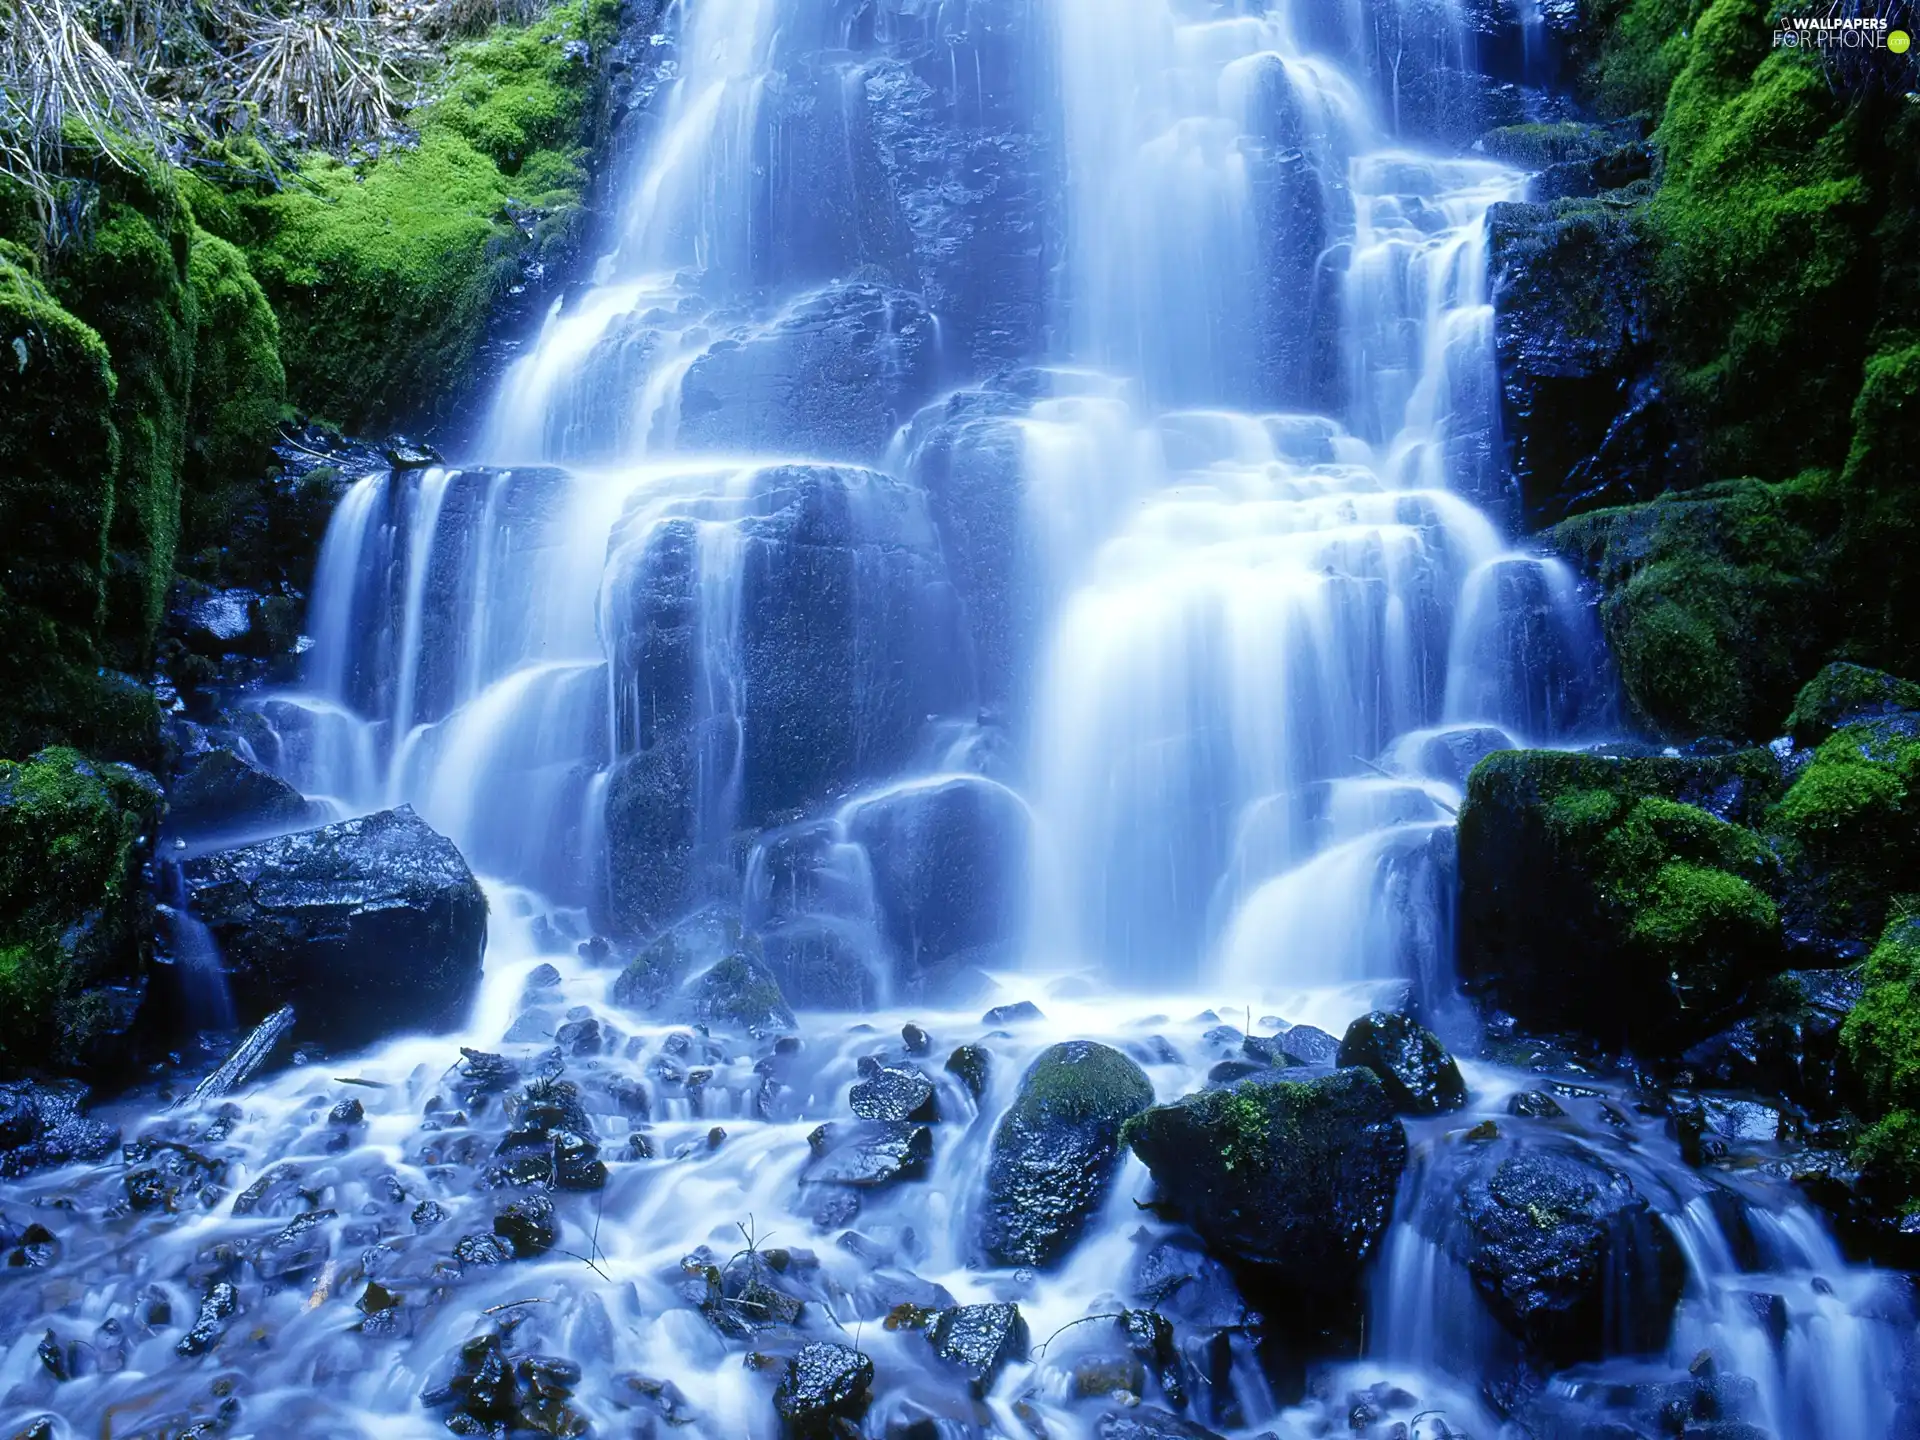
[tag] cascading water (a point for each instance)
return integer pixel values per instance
(1016, 516)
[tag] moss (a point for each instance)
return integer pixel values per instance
(1880, 1043)
(1715, 601)
(384, 274)
(72, 908)
(1850, 824)
(1841, 694)
(1076, 1083)
(239, 390)
(1537, 146)
(1882, 528)
(1645, 46)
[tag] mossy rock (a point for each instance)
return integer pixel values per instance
(1880, 1043)
(75, 917)
(1599, 896)
(1536, 146)
(1850, 828)
(1842, 694)
(1716, 602)
(1056, 1151)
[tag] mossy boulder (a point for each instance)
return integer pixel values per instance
(1843, 694)
(1880, 1045)
(1609, 896)
(75, 913)
(1056, 1151)
(1849, 828)
(1290, 1182)
(1716, 602)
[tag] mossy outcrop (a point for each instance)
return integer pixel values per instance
(1598, 894)
(1880, 1044)
(75, 918)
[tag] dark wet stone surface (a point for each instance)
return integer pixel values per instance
(1420, 1077)
(822, 1384)
(978, 1341)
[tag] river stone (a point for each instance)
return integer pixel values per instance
(42, 1125)
(979, 1340)
(1569, 1257)
(1149, 1422)
(1307, 1045)
(823, 1384)
(1057, 1150)
(1291, 1180)
(366, 928)
(1420, 1076)
(221, 790)
(969, 1064)
(871, 1154)
(891, 1092)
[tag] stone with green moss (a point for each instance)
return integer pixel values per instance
(1291, 1182)
(75, 917)
(1842, 694)
(1600, 895)
(1849, 828)
(1056, 1151)
(1880, 1043)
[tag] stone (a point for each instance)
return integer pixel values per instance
(870, 1154)
(1289, 1181)
(1307, 1045)
(1149, 1422)
(223, 792)
(528, 1225)
(44, 1125)
(979, 1341)
(1021, 1012)
(823, 1384)
(892, 1092)
(1420, 1076)
(969, 1065)
(1056, 1151)
(368, 927)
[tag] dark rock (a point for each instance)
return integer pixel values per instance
(824, 1384)
(917, 1041)
(890, 1092)
(1618, 898)
(1567, 1254)
(736, 994)
(42, 1125)
(223, 792)
(1056, 1151)
(1420, 1076)
(1149, 1422)
(1843, 695)
(705, 970)
(979, 1340)
(968, 1064)
(1536, 1104)
(870, 1154)
(552, 1141)
(528, 1225)
(366, 927)
(219, 1306)
(1789, 1046)
(1021, 1012)
(347, 1112)
(1307, 1045)
(1290, 1180)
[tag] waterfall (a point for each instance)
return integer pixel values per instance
(1017, 513)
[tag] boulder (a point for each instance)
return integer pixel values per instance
(823, 1392)
(1420, 1076)
(705, 970)
(1568, 1256)
(948, 860)
(1057, 1150)
(221, 791)
(1789, 1046)
(735, 993)
(869, 1155)
(1291, 1182)
(44, 1125)
(1617, 897)
(76, 915)
(891, 1092)
(366, 928)
(1842, 695)
(979, 1341)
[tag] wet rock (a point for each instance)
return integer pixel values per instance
(481, 1251)
(366, 927)
(870, 1154)
(1149, 1422)
(347, 1112)
(551, 1143)
(1421, 1078)
(738, 994)
(223, 792)
(1175, 1277)
(1567, 1254)
(1536, 1104)
(1021, 1012)
(528, 1225)
(978, 1341)
(1056, 1151)
(917, 1041)
(1293, 1181)
(889, 1092)
(1307, 1045)
(1842, 695)
(823, 1387)
(42, 1125)
(968, 1064)
(1790, 1046)
(493, 1392)
(221, 1303)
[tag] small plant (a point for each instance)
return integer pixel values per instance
(323, 74)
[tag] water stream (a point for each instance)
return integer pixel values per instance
(1080, 578)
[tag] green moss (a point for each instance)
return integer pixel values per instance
(1880, 1043)
(1537, 146)
(1076, 1083)
(1841, 694)
(239, 390)
(1882, 530)
(1851, 825)
(72, 907)
(129, 283)
(1716, 601)
(1644, 46)
(384, 274)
